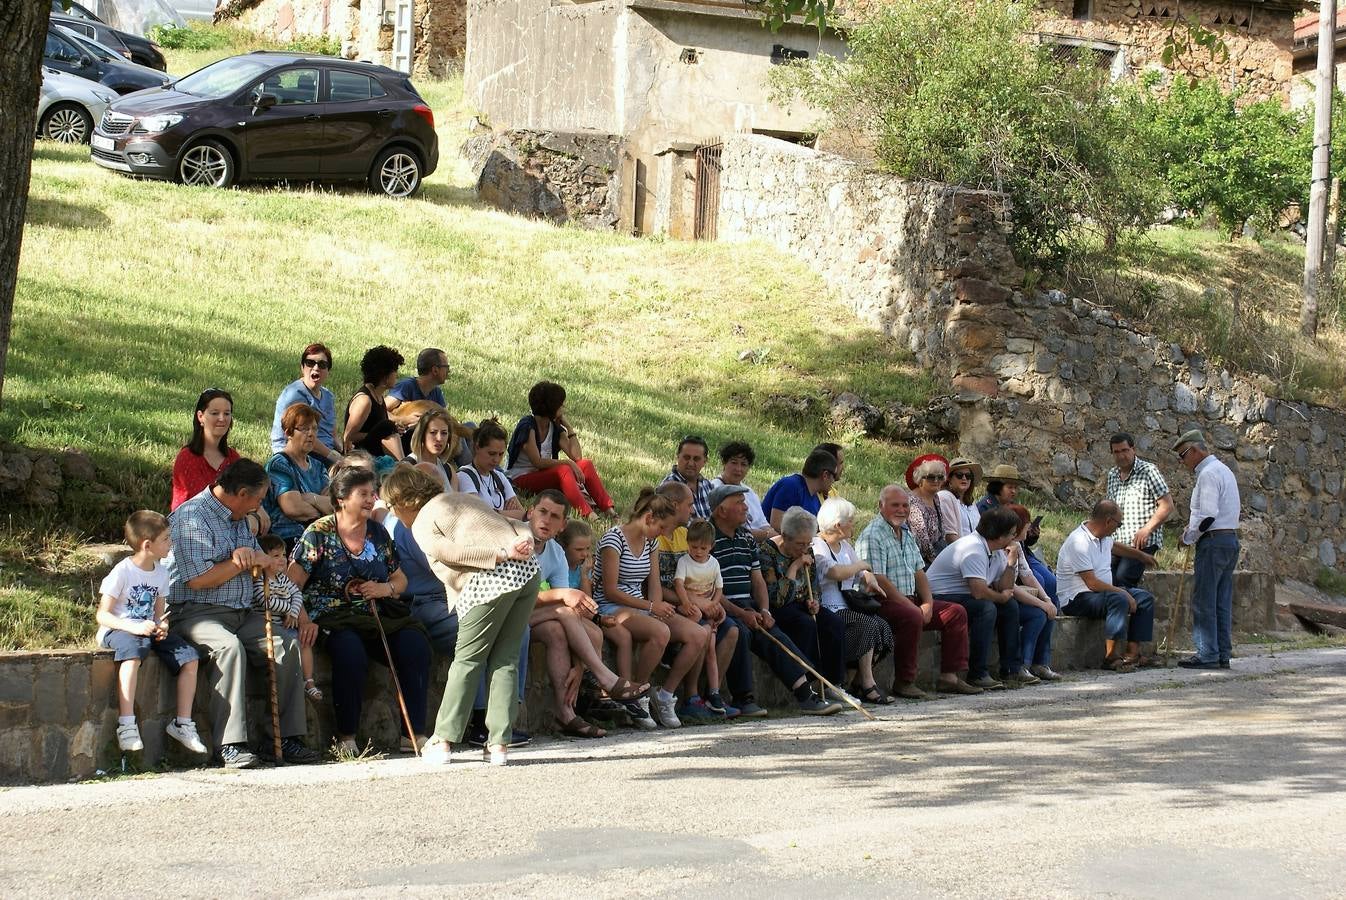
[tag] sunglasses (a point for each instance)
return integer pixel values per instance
(961, 475)
(933, 478)
(317, 364)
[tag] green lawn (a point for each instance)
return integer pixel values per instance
(136, 295)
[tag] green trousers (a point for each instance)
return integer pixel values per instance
(488, 638)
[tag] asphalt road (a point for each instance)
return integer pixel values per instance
(1164, 784)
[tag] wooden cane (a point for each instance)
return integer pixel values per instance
(1176, 612)
(817, 640)
(816, 674)
(392, 669)
(270, 664)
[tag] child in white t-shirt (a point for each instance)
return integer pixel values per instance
(132, 622)
(700, 588)
(287, 602)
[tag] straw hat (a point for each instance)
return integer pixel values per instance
(962, 462)
(1005, 472)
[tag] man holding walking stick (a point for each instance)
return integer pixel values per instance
(1213, 526)
(210, 597)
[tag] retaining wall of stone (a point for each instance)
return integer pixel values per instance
(559, 176)
(58, 709)
(1041, 379)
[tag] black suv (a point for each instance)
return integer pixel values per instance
(272, 116)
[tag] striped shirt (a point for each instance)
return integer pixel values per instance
(633, 571)
(1138, 496)
(738, 559)
(205, 533)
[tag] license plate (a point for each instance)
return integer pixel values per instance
(102, 143)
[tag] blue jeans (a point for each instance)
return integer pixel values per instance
(739, 676)
(1213, 597)
(1115, 608)
(442, 627)
(1127, 572)
(1035, 636)
(1045, 576)
(983, 619)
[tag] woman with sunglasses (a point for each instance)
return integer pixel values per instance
(208, 452)
(926, 477)
(315, 365)
(958, 501)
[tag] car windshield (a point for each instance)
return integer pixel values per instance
(104, 53)
(219, 80)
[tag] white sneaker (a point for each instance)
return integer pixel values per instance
(639, 711)
(436, 753)
(497, 755)
(666, 711)
(841, 696)
(186, 735)
(128, 737)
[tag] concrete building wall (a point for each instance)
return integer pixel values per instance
(535, 65)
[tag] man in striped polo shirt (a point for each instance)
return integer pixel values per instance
(1139, 489)
(745, 600)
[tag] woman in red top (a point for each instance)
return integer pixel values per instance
(208, 452)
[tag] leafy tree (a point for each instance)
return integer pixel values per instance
(1237, 162)
(958, 91)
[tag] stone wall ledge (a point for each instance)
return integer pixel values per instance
(58, 708)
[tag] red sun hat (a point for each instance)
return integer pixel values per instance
(918, 461)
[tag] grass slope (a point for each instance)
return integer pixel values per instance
(134, 296)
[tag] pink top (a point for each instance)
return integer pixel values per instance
(192, 475)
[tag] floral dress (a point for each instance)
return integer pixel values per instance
(330, 566)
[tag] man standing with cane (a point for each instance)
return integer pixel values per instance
(1213, 526)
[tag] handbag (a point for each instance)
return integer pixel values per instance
(860, 601)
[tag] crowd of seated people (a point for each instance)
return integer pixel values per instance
(403, 533)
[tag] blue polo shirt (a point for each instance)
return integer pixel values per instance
(409, 389)
(297, 392)
(792, 490)
(422, 583)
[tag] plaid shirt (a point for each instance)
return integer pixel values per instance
(700, 493)
(204, 535)
(1138, 496)
(892, 554)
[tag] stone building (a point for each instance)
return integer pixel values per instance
(1306, 57)
(660, 82)
(424, 37)
(1128, 37)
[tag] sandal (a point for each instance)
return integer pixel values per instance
(311, 691)
(871, 694)
(623, 690)
(577, 727)
(1140, 661)
(1117, 664)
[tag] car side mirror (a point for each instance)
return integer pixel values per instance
(263, 102)
(85, 61)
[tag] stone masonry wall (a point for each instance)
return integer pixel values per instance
(1041, 379)
(558, 176)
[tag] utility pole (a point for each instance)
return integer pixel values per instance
(1322, 170)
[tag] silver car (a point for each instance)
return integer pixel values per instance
(68, 106)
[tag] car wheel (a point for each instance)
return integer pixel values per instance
(206, 163)
(68, 123)
(396, 173)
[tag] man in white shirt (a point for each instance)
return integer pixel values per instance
(1084, 587)
(973, 572)
(1213, 526)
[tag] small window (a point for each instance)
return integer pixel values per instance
(347, 87)
(1083, 9)
(291, 86)
(60, 49)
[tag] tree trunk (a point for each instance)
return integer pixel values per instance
(1322, 170)
(23, 32)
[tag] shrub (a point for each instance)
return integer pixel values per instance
(195, 36)
(959, 91)
(314, 44)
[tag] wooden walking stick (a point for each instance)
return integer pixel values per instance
(392, 669)
(1176, 613)
(816, 674)
(817, 639)
(270, 663)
